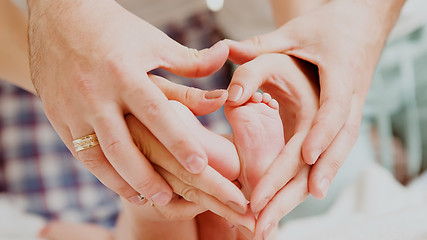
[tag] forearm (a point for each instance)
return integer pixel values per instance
(14, 66)
(385, 12)
(285, 10)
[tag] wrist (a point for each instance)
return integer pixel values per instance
(284, 11)
(383, 13)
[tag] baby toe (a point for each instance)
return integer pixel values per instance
(266, 98)
(257, 97)
(273, 104)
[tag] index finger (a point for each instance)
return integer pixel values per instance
(283, 202)
(149, 105)
(209, 181)
(282, 170)
(335, 104)
(124, 156)
(199, 197)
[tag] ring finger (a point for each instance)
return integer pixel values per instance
(119, 164)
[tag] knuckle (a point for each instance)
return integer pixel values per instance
(189, 193)
(353, 131)
(343, 106)
(186, 177)
(182, 145)
(114, 146)
(256, 41)
(215, 191)
(275, 183)
(124, 190)
(338, 104)
(188, 94)
(90, 162)
(334, 165)
(85, 86)
(153, 109)
(116, 66)
(145, 185)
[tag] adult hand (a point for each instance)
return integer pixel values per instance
(344, 40)
(89, 62)
(292, 83)
(201, 189)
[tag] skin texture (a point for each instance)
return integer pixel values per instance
(190, 209)
(192, 206)
(321, 50)
(91, 68)
(188, 96)
(343, 39)
(297, 94)
(197, 100)
(258, 136)
(14, 46)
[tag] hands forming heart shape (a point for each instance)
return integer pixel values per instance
(91, 73)
(258, 140)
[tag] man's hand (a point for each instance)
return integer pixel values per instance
(89, 63)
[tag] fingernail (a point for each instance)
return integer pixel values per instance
(195, 164)
(236, 207)
(324, 186)
(214, 94)
(137, 201)
(245, 231)
(230, 225)
(234, 93)
(267, 231)
(161, 198)
(314, 157)
(256, 209)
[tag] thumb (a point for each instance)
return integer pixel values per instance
(278, 41)
(189, 62)
(200, 102)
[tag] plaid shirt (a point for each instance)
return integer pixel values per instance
(36, 166)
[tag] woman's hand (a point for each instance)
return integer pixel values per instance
(89, 63)
(344, 40)
(293, 83)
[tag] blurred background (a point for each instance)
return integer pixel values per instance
(393, 133)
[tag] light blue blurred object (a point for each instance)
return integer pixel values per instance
(397, 101)
(394, 96)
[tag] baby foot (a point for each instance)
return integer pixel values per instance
(257, 135)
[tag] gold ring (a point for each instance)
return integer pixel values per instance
(85, 142)
(141, 198)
